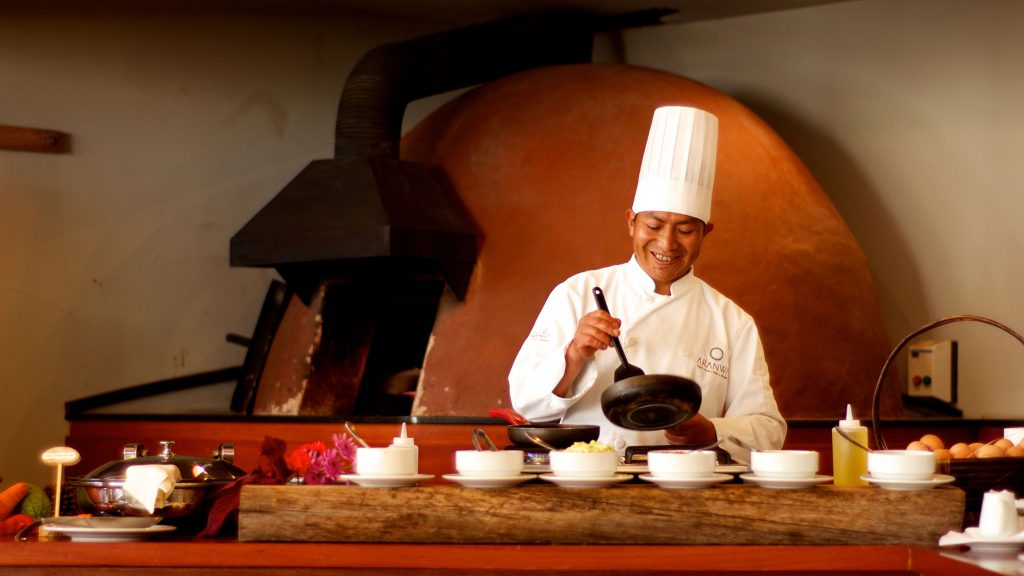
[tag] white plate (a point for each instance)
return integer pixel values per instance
(687, 482)
(785, 483)
(489, 481)
(641, 469)
(936, 480)
(981, 543)
(86, 534)
(397, 481)
(102, 522)
(570, 482)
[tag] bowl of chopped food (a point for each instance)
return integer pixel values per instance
(585, 460)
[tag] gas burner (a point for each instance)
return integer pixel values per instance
(638, 454)
(537, 458)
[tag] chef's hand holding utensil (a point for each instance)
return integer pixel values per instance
(596, 330)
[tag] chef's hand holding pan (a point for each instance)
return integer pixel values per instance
(593, 332)
(697, 431)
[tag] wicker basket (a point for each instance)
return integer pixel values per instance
(973, 476)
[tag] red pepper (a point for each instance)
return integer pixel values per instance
(15, 522)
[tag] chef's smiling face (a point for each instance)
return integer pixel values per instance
(666, 244)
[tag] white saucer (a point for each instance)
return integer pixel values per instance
(489, 481)
(936, 480)
(398, 481)
(87, 534)
(571, 482)
(981, 543)
(641, 469)
(785, 483)
(687, 482)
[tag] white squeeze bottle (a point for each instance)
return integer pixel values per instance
(849, 461)
(408, 452)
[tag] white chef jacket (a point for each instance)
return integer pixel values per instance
(695, 332)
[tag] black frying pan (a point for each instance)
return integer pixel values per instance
(640, 401)
(557, 435)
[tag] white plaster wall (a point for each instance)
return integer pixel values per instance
(114, 258)
(909, 114)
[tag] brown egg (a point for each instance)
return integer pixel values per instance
(917, 445)
(975, 445)
(960, 450)
(990, 451)
(1003, 443)
(933, 442)
(942, 454)
(1015, 451)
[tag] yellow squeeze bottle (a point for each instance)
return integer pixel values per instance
(849, 461)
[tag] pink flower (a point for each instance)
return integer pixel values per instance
(318, 464)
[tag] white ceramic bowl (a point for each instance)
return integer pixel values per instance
(385, 462)
(901, 464)
(474, 463)
(681, 463)
(584, 464)
(784, 463)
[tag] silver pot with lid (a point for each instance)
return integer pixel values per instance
(102, 492)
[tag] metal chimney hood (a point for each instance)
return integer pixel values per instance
(367, 214)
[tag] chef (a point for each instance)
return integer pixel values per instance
(668, 320)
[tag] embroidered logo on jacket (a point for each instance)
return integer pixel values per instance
(712, 363)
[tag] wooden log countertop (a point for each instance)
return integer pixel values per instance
(638, 513)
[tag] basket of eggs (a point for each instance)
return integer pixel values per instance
(977, 467)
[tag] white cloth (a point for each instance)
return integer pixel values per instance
(151, 484)
(696, 332)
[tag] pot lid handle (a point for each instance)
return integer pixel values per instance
(225, 452)
(166, 449)
(133, 450)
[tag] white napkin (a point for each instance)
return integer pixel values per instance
(151, 484)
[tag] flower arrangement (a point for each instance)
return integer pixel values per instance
(315, 463)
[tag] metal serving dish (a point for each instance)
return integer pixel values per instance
(101, 491)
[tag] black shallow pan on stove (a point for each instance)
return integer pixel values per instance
(639, 401)
(557, 435)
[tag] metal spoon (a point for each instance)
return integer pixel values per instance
(477, 435)
(351, 430)
(536, 440)
(850, 438)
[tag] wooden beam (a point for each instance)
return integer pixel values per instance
(34, 140)
(540, 513)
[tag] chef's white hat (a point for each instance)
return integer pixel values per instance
(678, 170)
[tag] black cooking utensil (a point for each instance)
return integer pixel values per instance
(639, 401)
(651, 401)
(558, 435)
(625, 369)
